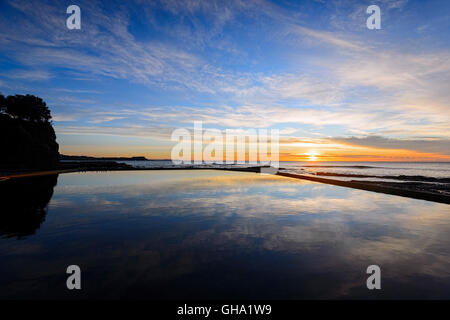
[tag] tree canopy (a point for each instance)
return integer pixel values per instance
(25, 107)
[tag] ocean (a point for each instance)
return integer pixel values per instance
(436, 172)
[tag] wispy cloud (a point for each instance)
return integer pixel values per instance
(423, 145)
(28, 75)
(330, 38)
(237, 64)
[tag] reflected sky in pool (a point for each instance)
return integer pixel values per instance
(217, 234)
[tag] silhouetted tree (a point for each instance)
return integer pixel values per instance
(26, 107)
(27, 138)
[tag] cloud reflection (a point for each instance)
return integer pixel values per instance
(213, 234)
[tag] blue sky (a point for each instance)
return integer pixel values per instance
(138, 69)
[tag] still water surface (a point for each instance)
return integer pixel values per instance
(216, 234)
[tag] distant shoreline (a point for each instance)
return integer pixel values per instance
(415, 191)
(65, 158)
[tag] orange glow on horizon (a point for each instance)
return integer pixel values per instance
(322, 152)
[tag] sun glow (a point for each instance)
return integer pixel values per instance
(312, 155)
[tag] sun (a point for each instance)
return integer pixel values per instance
(312, 155)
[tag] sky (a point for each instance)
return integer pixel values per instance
(335, 90)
